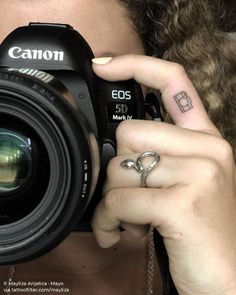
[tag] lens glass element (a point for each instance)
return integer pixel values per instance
(15, 160)
(24, 168)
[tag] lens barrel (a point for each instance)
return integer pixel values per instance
(47, 163)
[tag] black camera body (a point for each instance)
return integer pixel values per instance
(57, 133)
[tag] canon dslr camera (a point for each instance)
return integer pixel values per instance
(57, 133)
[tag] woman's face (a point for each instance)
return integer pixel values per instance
(103, 23)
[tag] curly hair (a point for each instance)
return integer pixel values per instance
(188, 32)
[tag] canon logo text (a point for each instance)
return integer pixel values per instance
(17, 52)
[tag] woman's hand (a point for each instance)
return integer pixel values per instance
(191, 194)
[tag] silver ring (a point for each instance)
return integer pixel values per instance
(139, 167)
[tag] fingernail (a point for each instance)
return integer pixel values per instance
(101, 60)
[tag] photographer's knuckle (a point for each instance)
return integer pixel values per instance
(111, 199)
(225, 151)
(123, 130)
(210, 171)
(178, 70)
(133, 57)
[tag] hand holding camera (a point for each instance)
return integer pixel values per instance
(190, 195)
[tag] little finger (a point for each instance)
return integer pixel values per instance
(138, 206)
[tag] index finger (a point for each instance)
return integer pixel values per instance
(179, 96)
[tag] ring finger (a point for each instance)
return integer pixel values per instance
(168, 172)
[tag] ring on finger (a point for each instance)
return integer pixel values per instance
(139, 166)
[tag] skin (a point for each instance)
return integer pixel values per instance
(190, 196)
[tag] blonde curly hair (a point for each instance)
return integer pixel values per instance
(188, 32)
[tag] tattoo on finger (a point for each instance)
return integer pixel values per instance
(183, 101)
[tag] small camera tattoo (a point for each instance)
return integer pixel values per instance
(183, 101)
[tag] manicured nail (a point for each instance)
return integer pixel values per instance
(101, 60)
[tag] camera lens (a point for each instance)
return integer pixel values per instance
(49, 165)
(15, 161)
(24, 169)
